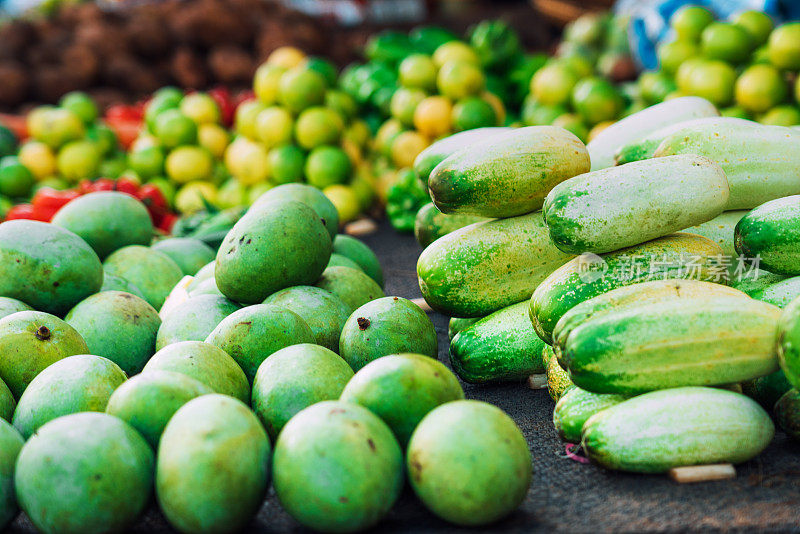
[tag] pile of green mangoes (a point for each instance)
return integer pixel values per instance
(643, 273)
(131, 365)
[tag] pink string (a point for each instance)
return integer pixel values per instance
(570, 449)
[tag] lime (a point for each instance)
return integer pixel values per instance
(213, 138)
(287, 57)
(147, 162)
(247, 161)
(144, 140)
(130, 175)
(760, 55)
(759, 88)
(168, 94)
(327, 165)
(473, 112)
(406, 147)
(455, 51)
(552, 84)
(231, 194)
(256, 190)
(157, 105)
(274, 126)
(322, 66)
(672, 53)
(81, 105)
(684, 74)
(713, 80)
(404, 103)
(358, 132)
(459, 79)
(8, 142)
(15, 178)
(189, 163)
(78, 160)
(103, 136)
(266, 81)
(5, 205)
(534, 113)
(784, 46)
(352, 150)
(113, 166)
(781, 116)
(300, 88)
(318, 126)
(53, 183)
(286, 164)
(690, 21)
(756, 23)
(418, 71)
(386, 134)
(192, 197)
(244, 121)
(735, 111)
(55, 126)
(596, 100)
(587, 29)
(582, 66)
(342, 103)
(573, 123)
(432, 116)
(201, 108)
(726, 41)
(38, 158)
(173, 129)
(345, 200)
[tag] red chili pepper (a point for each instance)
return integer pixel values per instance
(222, 96)
(46, 202)
(122, 112)
(101, 184)
(21, 211)
(167, 222)
(126, 185)
(152, 197)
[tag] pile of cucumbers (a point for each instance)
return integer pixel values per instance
(644, 273)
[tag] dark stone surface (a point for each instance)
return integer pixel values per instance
(567, 496)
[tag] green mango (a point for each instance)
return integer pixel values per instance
(431, 224)
(337, 260)
(85, 472)
(780, 293)
(457, 324)
(190, 254)
(251, 334)
(503, 346)
(576, 406)
(470, 448)
(280, 244)
(389, 325)
(9, 306)
(11, 443)
(81, 383)
(771, 233)
(118, 326)
(47, 267)
(147, 401)
(305, 194)
(354, 287)
(107, 221)
(401, 389)
(293, 379)
(323, 312)
(206, 287)
(205, 272)
(7, 402)
(787, 414)
(153, 272)
(212, 471)
(194, 319)
(204, 362)
(30, 341)
(352, 248)
(766, 390)
(113, 282)
(342, 442)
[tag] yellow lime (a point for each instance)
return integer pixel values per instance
(797, 89)
(231, 194)
(459, 79)
(247, 161)
(352, 150)
(386, 134)
(244, 121)
(534, 113)
(784, 46)
(147, 162)
(726, 41)
(38, 158)
(781, 116)
(145, 140)
(672, 53)
(286, 164)
(406, 147)
(473, 112)
(189, 199)
(55, 126)
(403, 104)
(201, 108)
(573, 123)
(327, 165)
(213, 138)
(552, 84)
(78, 160)
(266, 82)
(455, 51)
(581, 65)
(713, 80)
(432, 116)
(173, 129)
(287, 57)
(345, 200)
(756, 23)
(358, 132)
(81, 105)
(362, 187)
(189, 163)
(342, 103)
(497, 106)
(690, 21)
(301, 88)
(274, 126)
(418, 71)
(318, 126)
(759, 88)
(684, 73)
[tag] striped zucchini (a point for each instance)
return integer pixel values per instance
(431, 224)
(622, 206)
(487, 266)
(771, 232)
(760, 161)
(576, 406)
(437, 152)
(509, 174)
(657, 431)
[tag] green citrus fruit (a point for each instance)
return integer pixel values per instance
(404, 102)
(737, 112)
(690, 21)
(274, 126)
(473, 112)
(287, 57)
(323, 67)
(231, 194)
(81, 105)
(552, 84)
(201, 108)
(534, 113)
(418, 71)
(459, 79)
(300, 89)
(784, 46)
(189, 163)
(672, 53)
(327, 165)
(781, 116)
(318, 126)
(55, 126)
(78, 160)
(406, 147)
(147, 162)
(190, 198)
(244, 121)
(759, 88)
(213, 138)
(596, 100)
(15, 178)
(286, 164)
(455, 51)
(713, 80)
(247, 161)
(573, 123)
(726, 42)
(342, 103)
(173, 129)
(756, 23)
(266, 82)
(345, 200)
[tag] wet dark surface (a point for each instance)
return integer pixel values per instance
(567, 496)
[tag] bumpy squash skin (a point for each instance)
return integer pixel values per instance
(771, 232)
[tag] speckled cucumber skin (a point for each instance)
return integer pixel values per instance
(502, 346)
(251, 334)
(766, 390)
(507, 175)
(293, 379)
(558, 381)
(457, 324)
(484, 267)
(759, 161)
(190, 254)
(84, 473)
(46, 266)
(9, 306)
(337, 467)
(752, 281)
(323, 312)
(720, 230)
(787, 413)
(576, 406)
(118, 326)
(354, 287)
(437, 152)
(10, 444)
(788, 344)
(305, 194)
(603, 147)
(194, 319)
(401, 389)
(705, 342)
(30, 341)
(771, 232)
(657, 431)
(780, 293)
(276, 245)
(645, 147)
(431, 224)
(153, 272)
(212, 471)
(350, 247)
(81, 383)
(469, 463)
(149, 400)
(622, 206)
(674, 256)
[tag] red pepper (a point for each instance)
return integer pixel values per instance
(126, 185)
(167, 222)
(222, 96)
(46, 202)
(101, 184)
(21, 211)
(152, 197)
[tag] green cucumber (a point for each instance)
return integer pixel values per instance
(437, 152)
(501, 347)
(509, 174)
(753, 281)
(431, 224)
(789, 342)
(487, 266)
(457, 324)
(674, 343)
(584, 277)
(657, 431)
(576, 406)
(787, 413)
(720, 230)
(771, 233)
(766, 390)
(780, 293)
(558, 381)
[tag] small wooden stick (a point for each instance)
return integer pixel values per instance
(422, 304)
(361, 227)
(537, 381)
(702, 473)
